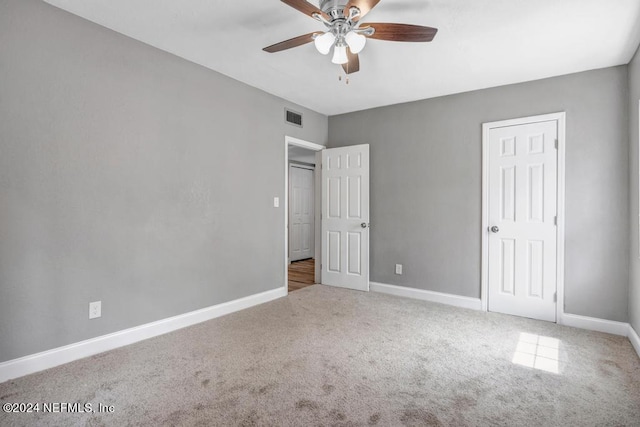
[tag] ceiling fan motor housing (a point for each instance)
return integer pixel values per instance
(334, 8)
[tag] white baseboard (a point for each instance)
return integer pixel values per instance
(574, 320)
(439, 297)
(48, 359)
(635, 339)
(594, 324)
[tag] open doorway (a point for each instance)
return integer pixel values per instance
(301, 218)
(302, 213)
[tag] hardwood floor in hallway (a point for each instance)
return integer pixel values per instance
(301, 274)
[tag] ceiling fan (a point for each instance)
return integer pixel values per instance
(345, 31)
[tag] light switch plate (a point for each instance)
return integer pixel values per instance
(276, 202)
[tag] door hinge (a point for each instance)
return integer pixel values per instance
(556, 144)
(555, 297)
(555, 220)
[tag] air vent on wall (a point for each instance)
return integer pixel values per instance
(293, 118)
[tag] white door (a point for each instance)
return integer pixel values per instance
(522, 234)
(345, 217)
(301, 214)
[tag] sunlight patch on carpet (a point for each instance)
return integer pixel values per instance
(538, 352)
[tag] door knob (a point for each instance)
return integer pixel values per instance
(494, 229)
(364, 225)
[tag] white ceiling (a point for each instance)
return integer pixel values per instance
(480, 44)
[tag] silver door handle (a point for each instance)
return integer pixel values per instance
(365, 225)
(494, 229)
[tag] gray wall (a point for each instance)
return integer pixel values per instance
(634, 279)
(426, 185)
(130, 176)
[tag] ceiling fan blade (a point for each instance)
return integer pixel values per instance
(305, 7)
(353, 65)
(288, 44)
(364, 5)
(401, 32)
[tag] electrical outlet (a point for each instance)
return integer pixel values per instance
(95, 309)
(398, 268)
(276, 202)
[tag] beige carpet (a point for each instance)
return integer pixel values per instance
(326, 356)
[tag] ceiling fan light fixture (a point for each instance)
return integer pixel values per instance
(355, 41)
(324, 42)
(344, 31)
(340, 54)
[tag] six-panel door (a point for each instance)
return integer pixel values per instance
(522, 212)
(345, 217)
(301, 213)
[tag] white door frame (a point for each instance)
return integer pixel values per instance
(486, 127)
(289, 140)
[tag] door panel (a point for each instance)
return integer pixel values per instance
(523, 205)
(354, 243)
(345, 191)
(508, 263)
